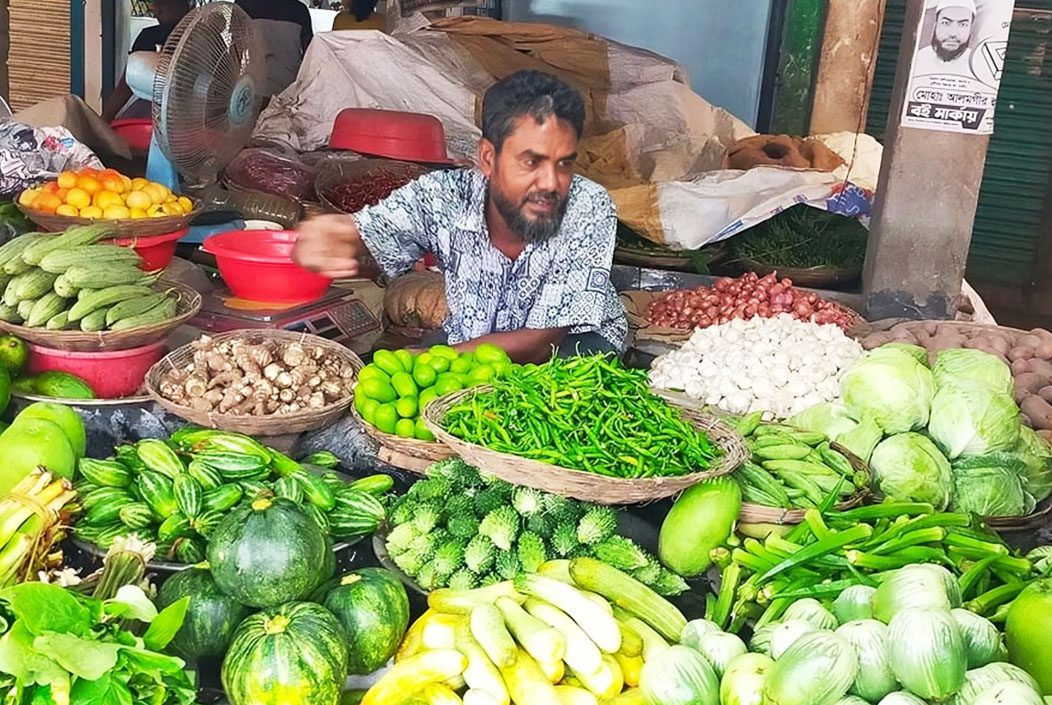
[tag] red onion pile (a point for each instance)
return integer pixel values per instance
(745, 297)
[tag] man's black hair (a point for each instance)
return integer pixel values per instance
(363, 9)
(532, 93)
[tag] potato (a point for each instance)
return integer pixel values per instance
(1029, 341)
(904, 336)
(931, 327)
(1020, 352)
(1020, 366)
(940, 343)
(1038, 410)
(1043, 368)
(1044, 350)
(1030, 381)
(875, 340)
(1046, 393)
(998, 343)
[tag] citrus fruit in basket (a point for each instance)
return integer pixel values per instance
(13, 353)
(106, 195)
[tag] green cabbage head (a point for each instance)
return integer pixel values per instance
(971, 418)
(1038, 458)
(964, 365)
(892, 388)
(910, 468)
(991, 486)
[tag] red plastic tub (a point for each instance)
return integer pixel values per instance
(110, 374)
(157, 251)
(135, 131)
(257, 266)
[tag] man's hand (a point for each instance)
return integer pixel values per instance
(329, 245)
(523, 346)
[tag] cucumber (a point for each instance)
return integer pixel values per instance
(489, 630)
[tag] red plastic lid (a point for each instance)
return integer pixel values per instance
(411, 137)
(262, 246)
(135, 131)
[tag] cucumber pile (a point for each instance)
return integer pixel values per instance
(73, 282)
(176, 492)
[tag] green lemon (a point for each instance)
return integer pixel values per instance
(405, 428)
(423, 433)
(501, 368)
(379, 390)
(424, 375)
(371, 371)
(405, 358)
(368, 410)
(407, 407)
(461, 365)
(422, 359)
(488, 353)
(426, 397)
(403, 384)
(447, 385)
(388, 362)
(385, 416)
(482, 373)
(439, 364)
(14, 353)
(359, 401)
(443, 351)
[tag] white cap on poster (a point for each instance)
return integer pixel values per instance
(966, 4)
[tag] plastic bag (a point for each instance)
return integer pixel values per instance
(263, 170)
(29, 155)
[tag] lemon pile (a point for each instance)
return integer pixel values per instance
(106, 195)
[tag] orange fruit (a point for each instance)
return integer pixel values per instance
(138, 199)
(127, 182)
(89, 183)
(47, 203)
(61, 194)
(91, 212)
(158, 193)
(112, 182)
(67, 179)
(137, 213)
(78, 197)
(156, 211)
(105, 199)
(88, 171)
(68, 210)
(171, 209)
(50, 187)
(138, 183)
(186, 204)
(116, 213)
(27, 197)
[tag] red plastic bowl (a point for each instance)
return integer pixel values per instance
(110, 374)
(411, 137)
(257, 266)
(157, 251)
(135, 131)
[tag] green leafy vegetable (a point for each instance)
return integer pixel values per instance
(991, 486)
(971, 418)
(909, 467)
(892, 388)
(966, 365)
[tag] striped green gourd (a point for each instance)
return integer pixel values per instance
(108, 473)
(208, 478)
(136, 515)
(289, 488)
(188, 494)
(159, 457)
(222, 498)
(156, 490)
(234, 466)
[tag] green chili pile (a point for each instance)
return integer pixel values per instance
(583, 413)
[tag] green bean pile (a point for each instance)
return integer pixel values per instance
(804, 237)
(583, 413)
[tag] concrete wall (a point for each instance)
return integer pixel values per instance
(721, 43)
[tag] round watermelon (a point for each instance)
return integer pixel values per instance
(291, 654)
(268, 553)
(211, 617)
(373, 608)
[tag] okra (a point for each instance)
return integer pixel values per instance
(821, 548)
(729, 585)
(934, 534)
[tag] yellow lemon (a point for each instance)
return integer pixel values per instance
(158, 193)
(47, 203)
(186, 204)
(156, 211)
(171, 209)
(106, 199)
(78, 197)
(116, 213)
(138, 199)
(66, 209)
(138, 213)
(67, 179)
(89, 184)
(91, 212)
(127, 182)
(138, 183)
(28, 196)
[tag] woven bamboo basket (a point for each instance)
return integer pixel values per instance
(579, 484)
(964, 327)
(273, 425)
(108, 340)
(814, 277)
(760, 514)
(137, 227)
(1031, 522)
(409, 454)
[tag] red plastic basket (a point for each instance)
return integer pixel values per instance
(157, 251)
(135, 131)
(257, 266)
(111, 375)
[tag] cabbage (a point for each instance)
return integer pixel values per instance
(979, 680)
(817, 670)
(969, 418)
(909, 468)
(695, 629)
(862, 439)
(874, 679)
(855, 602)
(891, 387)
(719, 649)
(1038, 458)
(810, 610)
(851, 700)
(965, 365)
(743, 681)
(991, 486)
(681, 676)
(828, 419)
(787, 633)
(1041, 557)
(982, 640)
(902, 698)
(915, 351)
(916, 586)
(928, 655)
(1009, 694)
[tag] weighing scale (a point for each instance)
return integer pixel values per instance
(344, 314)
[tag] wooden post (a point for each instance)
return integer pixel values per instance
(926, 201)
(846, 65)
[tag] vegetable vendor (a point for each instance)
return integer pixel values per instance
(525, 245)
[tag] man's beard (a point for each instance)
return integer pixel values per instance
(946, 54)
(530, 230)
